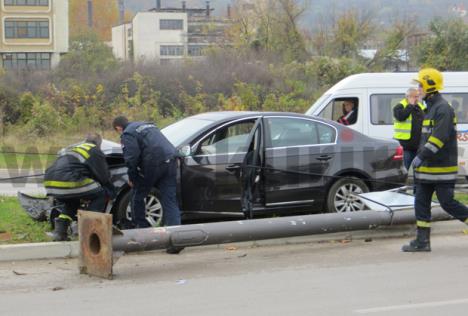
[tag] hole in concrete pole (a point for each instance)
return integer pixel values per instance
(94, 243)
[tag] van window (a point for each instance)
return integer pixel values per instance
(335, 111)
(459, 102)
(381, 106)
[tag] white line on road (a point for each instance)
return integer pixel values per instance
(410, 306)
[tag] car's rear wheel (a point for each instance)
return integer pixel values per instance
(154, 209)
(341, 196)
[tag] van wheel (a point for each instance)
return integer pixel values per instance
(341, 197)
(154, 209)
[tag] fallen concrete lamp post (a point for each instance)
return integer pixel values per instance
(101, 244)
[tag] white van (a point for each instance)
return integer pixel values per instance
(375, 95)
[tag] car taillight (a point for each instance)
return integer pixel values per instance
(398, 154)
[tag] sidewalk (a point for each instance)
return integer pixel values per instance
(53, 250)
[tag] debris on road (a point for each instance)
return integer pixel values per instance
(19, 273)
(57, 288)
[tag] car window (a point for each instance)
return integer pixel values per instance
(336, 111)
(326, 133)
(228, 139)
(288, 132)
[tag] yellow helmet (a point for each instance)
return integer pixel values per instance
(430, 79)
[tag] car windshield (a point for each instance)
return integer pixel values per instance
(180, 131)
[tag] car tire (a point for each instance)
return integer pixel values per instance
(154, 209)
(339, 199)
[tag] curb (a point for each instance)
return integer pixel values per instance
(56, 250)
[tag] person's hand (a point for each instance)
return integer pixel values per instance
(417, 162)
(130, 183)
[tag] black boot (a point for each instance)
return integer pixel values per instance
(61, 229)
(421, 243)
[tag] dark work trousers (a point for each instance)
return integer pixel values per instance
(444, 191)
(97, 203)
(164, 178)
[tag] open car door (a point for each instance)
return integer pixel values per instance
(251, 171)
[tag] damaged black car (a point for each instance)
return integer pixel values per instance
(248, 164)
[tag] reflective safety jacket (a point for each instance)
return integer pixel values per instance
(438, 148)
(406, 127)
(79, 170)
(144, 148)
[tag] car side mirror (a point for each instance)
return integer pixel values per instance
(185, 151)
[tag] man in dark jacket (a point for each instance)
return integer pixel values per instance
(79, 173)
(436, 164)
(349, 116)
(407, 125)
(150, 159)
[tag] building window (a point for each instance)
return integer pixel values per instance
(18, 61)
(196, 50)
(171, 50)
(171, 24)
(26, 29)
(27, 2)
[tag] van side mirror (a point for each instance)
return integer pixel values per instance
(185, 151)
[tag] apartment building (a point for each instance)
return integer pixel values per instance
(168, 34)
(34, 33)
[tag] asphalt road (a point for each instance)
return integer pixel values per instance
(309, 278)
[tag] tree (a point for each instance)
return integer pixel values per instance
(88, 57)
(105, 15)
(389, 56)
(346, 36)
(270, 26)
(447, 48)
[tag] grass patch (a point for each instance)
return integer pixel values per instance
(17, 227)
(462, 197)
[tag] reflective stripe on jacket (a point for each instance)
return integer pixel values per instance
(79, 170)
(438, 148)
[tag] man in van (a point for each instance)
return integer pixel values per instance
(349, 116)
(436, 164)
(407, 124)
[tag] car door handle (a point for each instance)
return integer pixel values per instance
(233, 167)
(324, 157)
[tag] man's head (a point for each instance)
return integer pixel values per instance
(412, 95)
(94, 138)
(430, 81)
(120, 123)
(348, 105)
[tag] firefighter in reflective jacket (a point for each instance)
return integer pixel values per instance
(79, 173)
(407, 124)
(436, 165)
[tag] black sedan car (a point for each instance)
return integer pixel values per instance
(258, 163)
(255, 163)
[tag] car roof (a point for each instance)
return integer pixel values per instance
(222, 116)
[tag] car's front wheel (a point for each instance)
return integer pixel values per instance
(341, 196)
(154, 209)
